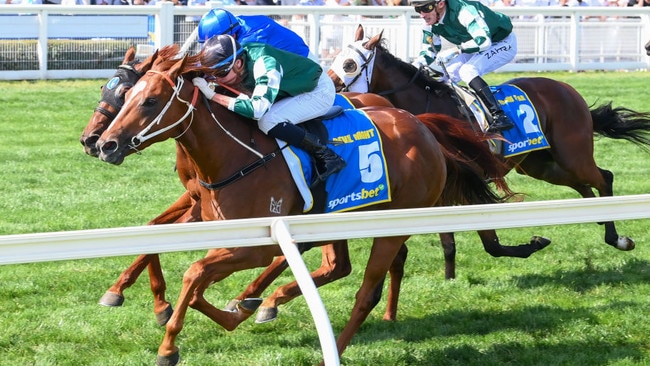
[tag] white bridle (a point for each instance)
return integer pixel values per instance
(142, 136)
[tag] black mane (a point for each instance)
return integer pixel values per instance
(402, 67)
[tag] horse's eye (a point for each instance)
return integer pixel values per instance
(349, 66)
(149, 102)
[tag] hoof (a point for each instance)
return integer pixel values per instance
(232, 306)
(171, 360)
(265, 315)
(250, 304)
(111, 299)
(163, 317)
(540, 242)
(625, 244)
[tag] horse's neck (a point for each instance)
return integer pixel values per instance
(217, 145)
(411, 91)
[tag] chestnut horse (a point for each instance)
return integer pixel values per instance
(335, 263)
(565, 118)
(163, 104)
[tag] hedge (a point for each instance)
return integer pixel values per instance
(64, 54)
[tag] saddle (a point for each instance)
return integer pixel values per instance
(476, 111)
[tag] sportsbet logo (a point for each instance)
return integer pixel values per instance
(356, 196)
(522, 144)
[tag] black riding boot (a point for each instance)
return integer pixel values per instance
(327, 161)
(500, 121)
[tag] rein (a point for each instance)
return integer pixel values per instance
(247, 169)
(365, 65)
(142, 136)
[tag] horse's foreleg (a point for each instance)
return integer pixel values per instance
(161, 308)
(217, 264)
(396, 275)
(449, 250)
(114, 296)
(180, 211)
(335, 264)
(183, 210)
(492, 245)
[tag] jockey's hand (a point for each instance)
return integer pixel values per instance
(433, 71)
(203, 86)
(447, 55)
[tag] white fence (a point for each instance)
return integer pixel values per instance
(550, 38)
(27, 248)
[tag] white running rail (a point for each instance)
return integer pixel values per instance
(287, 230)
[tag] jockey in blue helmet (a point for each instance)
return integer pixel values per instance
(251, 28)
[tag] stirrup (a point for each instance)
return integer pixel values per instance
(500, 123)
(322, 177)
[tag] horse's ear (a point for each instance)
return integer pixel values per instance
(374, 41)
(151, 60)
(359, 33)
(176, 70)
(129, 56)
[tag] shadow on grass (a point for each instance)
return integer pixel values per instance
(537, 321)
(583, 280)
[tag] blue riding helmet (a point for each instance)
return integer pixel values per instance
(216, 22)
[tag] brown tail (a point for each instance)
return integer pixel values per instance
(470, 163)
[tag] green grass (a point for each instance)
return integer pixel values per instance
(579, 302)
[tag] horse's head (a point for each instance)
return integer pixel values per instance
(112, 99)
(352, 68)
(159, 106)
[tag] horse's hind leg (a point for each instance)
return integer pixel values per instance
(605, 189)
(396, 272)
(581, 176)
(382, 254)
(611, 235)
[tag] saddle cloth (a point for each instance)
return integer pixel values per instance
(363, 182)
(527, 135)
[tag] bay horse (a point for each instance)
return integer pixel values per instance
(566, 119)
(163, 104)
(335, 263)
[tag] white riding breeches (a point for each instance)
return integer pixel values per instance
(301, 107)
(467, 66)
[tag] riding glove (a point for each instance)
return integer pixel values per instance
(203, 86)
(426, 58)
(447, 55)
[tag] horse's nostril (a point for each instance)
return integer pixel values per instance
(109, 147)
(91, 141)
